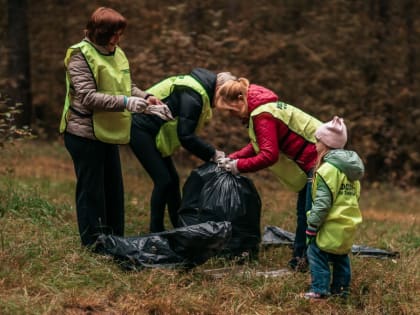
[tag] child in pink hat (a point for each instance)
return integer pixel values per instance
(335, 212)
(333, 133)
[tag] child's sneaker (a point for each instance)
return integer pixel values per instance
(342, 292)
(313, 296)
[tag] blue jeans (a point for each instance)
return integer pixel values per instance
(319, 264)
(304, 204)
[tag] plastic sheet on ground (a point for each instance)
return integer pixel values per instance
(212, 194)
(366, 251)
(275, 236)
(184, 247)
(219, 273)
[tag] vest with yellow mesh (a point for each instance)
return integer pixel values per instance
(167, 140)
(286, 169)
(112, 76)
(336, 234)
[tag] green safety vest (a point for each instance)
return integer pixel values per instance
(286, 169)
(167, 140)
(112, 76)
(336, 234)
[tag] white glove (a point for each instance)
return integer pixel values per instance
(136, 104)
(153, 100)
(218, 155)
(223, 161)
(231, 166)
(162, 111)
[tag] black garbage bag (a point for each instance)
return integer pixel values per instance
(275, 236)
(183, 247)
(212, 194)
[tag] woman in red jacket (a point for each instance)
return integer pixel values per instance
(282, 138)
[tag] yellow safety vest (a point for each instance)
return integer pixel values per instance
(167, 140)
(286, 169)
(336, 234)
(112, 76)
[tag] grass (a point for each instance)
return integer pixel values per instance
(43, 269)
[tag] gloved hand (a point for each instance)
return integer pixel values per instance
(162, 111)
(223, 161)
(231, 166)
(153, 100)
(310, 234)
(218, 155)
(136, 104)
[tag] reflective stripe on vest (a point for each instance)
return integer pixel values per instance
(336, 234)
(286, 169)
(167, 140)
(112, 76)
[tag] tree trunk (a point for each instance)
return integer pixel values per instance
(18, 71)
(411, 57)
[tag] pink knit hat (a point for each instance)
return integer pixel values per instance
(333, 133)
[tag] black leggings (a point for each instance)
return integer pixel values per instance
(165, 178)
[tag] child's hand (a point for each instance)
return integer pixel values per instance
(310, 235)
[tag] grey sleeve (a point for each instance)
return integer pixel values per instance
(136, 91)
(321, 204)
(84, 87)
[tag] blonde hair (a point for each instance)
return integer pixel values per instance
(232, 95)
(223, 77)
(320, 156)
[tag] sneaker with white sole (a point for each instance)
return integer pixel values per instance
(313, 296)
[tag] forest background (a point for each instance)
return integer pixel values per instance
(357, 59)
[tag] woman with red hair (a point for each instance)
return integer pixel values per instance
(97, 118)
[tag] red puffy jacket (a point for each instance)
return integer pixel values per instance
(273, 138)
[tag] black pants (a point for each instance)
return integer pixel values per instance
(304, 204)
(165, 178)
(99, 188)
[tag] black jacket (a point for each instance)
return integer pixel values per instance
(186, 104)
